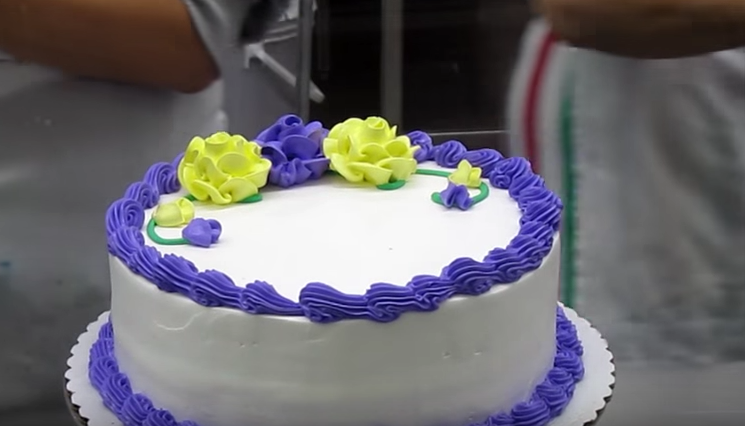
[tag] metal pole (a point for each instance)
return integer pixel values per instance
(391, 62)
(305, 58)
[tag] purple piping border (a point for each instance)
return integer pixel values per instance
(546, 402)
(541, 215)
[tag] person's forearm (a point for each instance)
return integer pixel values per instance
(648, 28)
(148, 42)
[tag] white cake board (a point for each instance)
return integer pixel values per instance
(590, 395)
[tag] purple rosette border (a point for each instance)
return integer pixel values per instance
(546, 402)
(382, 302)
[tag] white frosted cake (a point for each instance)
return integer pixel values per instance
(351, 277)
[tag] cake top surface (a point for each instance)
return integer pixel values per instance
(356, 222)
(334, 232)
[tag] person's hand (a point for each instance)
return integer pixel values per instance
(147, 42)
(648, 28)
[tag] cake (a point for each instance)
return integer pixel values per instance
(351, 276)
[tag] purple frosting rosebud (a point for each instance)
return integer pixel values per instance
(295, 150)
(456, 196)
(202, 232)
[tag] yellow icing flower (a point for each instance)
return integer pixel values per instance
(223, 168)
(466, 175)
(175, 213)
(369, 150)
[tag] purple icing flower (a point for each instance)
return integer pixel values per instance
(202, 232)
(295, 150)
(426, 151)
(456, 196)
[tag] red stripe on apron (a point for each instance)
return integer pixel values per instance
(532, 103)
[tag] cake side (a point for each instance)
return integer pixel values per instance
(471, 358)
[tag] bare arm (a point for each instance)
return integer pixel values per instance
(148, 42)
(648, 28)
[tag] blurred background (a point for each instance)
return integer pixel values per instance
(442, 66)
(447, 66)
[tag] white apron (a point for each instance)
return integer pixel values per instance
(650, 159)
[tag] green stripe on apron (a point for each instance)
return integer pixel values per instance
(568, 238)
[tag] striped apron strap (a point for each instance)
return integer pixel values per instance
(569, 194)
(532, 113)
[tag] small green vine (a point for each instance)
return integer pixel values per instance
(396, 184)
(390, 186)
(160, 240)
(483, 188)
(153, 235)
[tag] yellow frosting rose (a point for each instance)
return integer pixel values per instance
(223, 168)
(369, 150)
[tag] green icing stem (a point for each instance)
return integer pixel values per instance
(390, 186)
(429, 172)
(483, 193)
(396, 184)
(568, 249)
(160, 240)
(483, 188)
(252, 199)
(181, 241)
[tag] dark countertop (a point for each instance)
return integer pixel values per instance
(674, 395)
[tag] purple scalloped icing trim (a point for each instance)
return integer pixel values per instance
(546, 402)
(541, 215)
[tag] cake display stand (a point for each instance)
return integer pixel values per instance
(590, 397)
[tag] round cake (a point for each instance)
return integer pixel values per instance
(352, 276)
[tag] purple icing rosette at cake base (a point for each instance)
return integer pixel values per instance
(295, 150)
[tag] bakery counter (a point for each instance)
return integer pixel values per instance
(667, 395)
